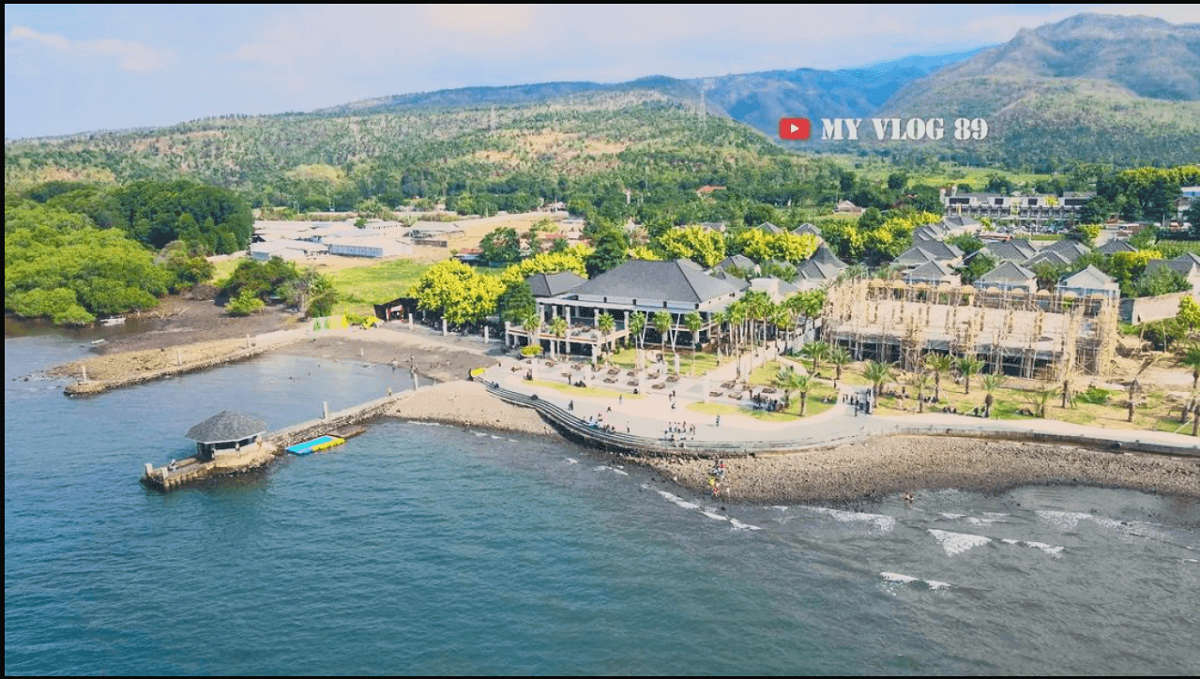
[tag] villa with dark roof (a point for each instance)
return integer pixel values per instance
(819, 270)
(1114, 246)
(929, 251)
(1009, 276)
(1187, 264)
(933, 274)
(635, 286)
(1007, 251)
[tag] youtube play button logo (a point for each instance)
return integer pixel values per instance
(794, 129)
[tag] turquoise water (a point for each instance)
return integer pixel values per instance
(417, 549)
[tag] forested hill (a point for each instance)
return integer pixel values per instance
(1112, 89)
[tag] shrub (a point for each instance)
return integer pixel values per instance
(531, 350)
(244, 304)
(1094, 396)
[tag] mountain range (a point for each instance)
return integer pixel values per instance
(1094, 88)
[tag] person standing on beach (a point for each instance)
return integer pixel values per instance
(718, 420)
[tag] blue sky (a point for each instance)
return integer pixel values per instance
(74, 68)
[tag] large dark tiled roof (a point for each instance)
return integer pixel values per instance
(667, 281)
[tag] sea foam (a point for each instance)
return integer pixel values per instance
(881, 521)
(957, 543)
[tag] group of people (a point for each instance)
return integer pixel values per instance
(681, 429)
(860, 403)
(715, 476)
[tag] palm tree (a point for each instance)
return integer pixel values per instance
(605, 323)
(816, 351)
(991, 383)
(969, 366)
(938, 363)
(637, 326)
(784, 321)
(802, 384)
(840, 358)
(719, 319)
(789, 380)
(662, 323)
(532, 322)
(921, 383)
(558, 328)
(737, 316)
(694, 322)
(1191, 359)
(879, 374)
(1040, 397)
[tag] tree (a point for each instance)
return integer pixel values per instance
(501, 246)
(516, 302)
(921, 383)
(1039, 397)
(815, 351)
(611, 251)
(1189, 312)
(558, 328)
(1191, 359)
(605, 323)
(969, 366)
(637, 326)
(840, 357)
(938, 363)
(694, 322)
(991, 383)
(975, 269)
(697, 243)
(662, 323)
(879, 374)
(532, 323)
(244, 304)
(1085, 233)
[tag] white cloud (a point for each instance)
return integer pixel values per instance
(130, 55)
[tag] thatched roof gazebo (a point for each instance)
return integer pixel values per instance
(226, 432)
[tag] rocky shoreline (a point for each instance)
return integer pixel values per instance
(888, 465)
(881, 466)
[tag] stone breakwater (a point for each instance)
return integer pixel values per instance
(886, 465)
(111, 371)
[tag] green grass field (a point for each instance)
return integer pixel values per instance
(362, 287)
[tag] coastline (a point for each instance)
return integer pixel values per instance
(881, 466)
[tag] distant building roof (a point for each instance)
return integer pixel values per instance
(1071, 250)
(1008, 251)
(807, 227)
(225, 426)
(668, 281)
(1046, 257)
(722, 274)
(960, 222)
(1008, 272)
(549, 285)
(822, 266)
(770, 228)
(1115, 245)
(1186, 264)
(741, 262)
(776, 288)
(928, 250)
(1090, 278)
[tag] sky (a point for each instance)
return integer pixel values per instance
(77, 68)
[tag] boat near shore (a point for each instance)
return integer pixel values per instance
(115, 320)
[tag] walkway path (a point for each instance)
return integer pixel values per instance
(653, 413)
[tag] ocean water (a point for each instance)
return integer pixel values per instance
(421, 549)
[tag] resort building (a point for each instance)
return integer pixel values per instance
(819, 270)
(1090, 281)
(933, 274)
(642, 286)
(1009, 276)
